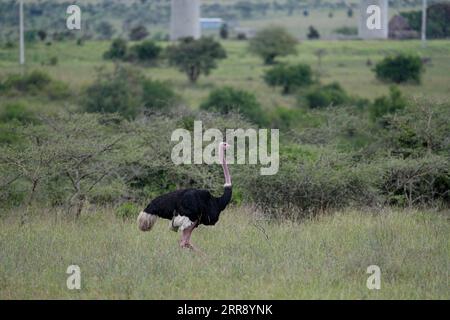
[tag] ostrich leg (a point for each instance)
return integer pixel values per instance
(185, 241)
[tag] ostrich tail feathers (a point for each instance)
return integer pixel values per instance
(146, 221)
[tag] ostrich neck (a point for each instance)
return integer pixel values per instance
(227, 192)
(226, 172)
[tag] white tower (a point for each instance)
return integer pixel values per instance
(373, 19)
(185, 19)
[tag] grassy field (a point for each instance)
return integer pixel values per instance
(245, 257)
(345, 61)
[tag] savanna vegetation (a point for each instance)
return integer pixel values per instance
(364, 173)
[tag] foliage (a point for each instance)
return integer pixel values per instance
(105, 30)
(391, 104)
(127, 211)
(34, 83)
(227, 99)
(117, 51)
(138, 33)
(196, 57)
(272, 42)
(400, 68)
(224, 31)
(438, 16)
(158, 95)
(313, 33)
(346, 31)
(119, 91)
(147, 52)
(412, 182)
(289, 77)
(327, 95)
(17, 112)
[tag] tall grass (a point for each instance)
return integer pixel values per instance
(246, 257)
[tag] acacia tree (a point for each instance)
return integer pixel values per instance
(273, 42)
(196, 57)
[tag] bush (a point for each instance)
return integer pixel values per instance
(305, 187)
(119, 91)
(273, 42)
(35, 83)
(384, 105)
(347, 31)
(409, 182)
(127, 211)
(138, 33)
(147, 51)
(227, 99)
(331, 94)
(313, 33)
(289, 77)
(157, 95)
(400, 68)
(438, 16)
(17, 112)
(117, 51)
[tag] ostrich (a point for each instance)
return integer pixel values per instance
(188, 208)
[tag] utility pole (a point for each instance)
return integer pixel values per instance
(424, 23)
(22, 40)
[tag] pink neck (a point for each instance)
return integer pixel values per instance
(226, 172)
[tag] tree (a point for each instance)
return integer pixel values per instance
(42, 34)
(289, 77)
(226, 100)
(272, 42)
(224, 31)
(350, 12)
(400, 68)
(138, 33)
(196, 57)
(117, 50)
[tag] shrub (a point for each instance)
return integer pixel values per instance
(117, 51)
(289, 77)
(408, 182)
(119, 91)
(147, 51)
(224, 31)
(17, 112)
(157, 95)
(138, 33)
(306, 187)
(283, 118)
(35, 83)
(323, 96)
(273, 42)
(438, 16)
(391, 104)
(196, 57)
(346, 31)
(400, 68)
(127, 211)
(227, 99)
(313, 33)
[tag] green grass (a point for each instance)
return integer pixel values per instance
(322, 258)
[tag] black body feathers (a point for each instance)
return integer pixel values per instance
(197, 205)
